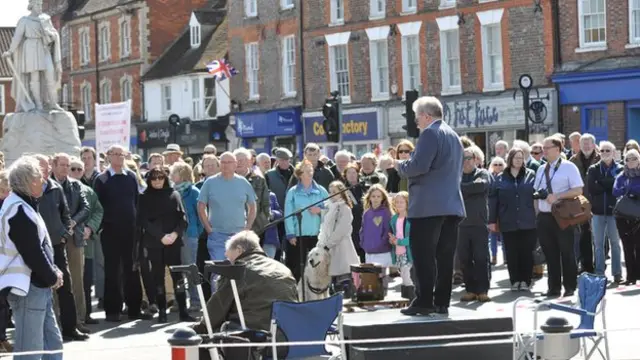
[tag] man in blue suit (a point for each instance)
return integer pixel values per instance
(436, 207)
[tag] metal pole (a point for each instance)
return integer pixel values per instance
(236, 297)
(525, 106)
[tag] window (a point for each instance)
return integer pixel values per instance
(253, 68)
(337, 11)
(210, 98)
(166, 98)
(377, 9)
(450, 54)
(125, 37)
(409, 6)
(286, 4)
(250, 8)
(411, 62)
(125, 88)
(492, 69)
(634, 21)
(289, 66)
(447, 3)
(65, 48)
(592, 23)
(3, 109)
(340, 70)
(379, 62)
(85, 46)
(105, 92)
(196, 100)
(104, 39)
(64, 96)
(86, 100)
(195, 31)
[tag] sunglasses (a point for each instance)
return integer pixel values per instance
(606, 150)
(203, 174)
(500, 165)
(468, 157)
(536, 152)
(74, 169)
(404, 151)
(631, 159)
(158, 178)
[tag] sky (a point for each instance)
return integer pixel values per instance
(12, 10)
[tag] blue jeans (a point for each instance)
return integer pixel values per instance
(36, 326)
(215, 245)
(494, 238)
(189, 256)
(606, 225)
(270, 250)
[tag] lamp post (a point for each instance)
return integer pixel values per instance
(174, 121)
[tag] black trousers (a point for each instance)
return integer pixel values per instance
(558, 249)
(433, 244)
(201, 257)
(66, 302)
(293, 253)
(630, 235)
(159, 259)
(586, 247)
(5, 316)
(88, 283)
(519, 246)
(119, 272)
(473, 253)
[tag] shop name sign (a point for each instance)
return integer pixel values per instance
(470, 113)
(162, 134)
(351, 127)
(355, 127)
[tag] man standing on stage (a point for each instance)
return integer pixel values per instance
(436, 207)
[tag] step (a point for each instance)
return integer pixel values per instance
(501, 349)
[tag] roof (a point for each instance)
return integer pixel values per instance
(180, 58)
(610, 63)
(87, 7)
(6, 34)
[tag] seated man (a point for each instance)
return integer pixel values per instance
(265, 281)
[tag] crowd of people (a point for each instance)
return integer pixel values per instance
(108, 225)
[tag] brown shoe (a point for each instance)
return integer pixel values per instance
(6, 347)
(83, 329)
(468, 297)
(483, 298)
(494, 260)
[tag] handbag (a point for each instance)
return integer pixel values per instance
(626, 207)
(570, 212)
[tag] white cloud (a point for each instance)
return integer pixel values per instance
(12, 10)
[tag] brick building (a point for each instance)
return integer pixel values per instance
(264, 46)
(108, 44)
(470, 53)
(7, 104)
(599, 74)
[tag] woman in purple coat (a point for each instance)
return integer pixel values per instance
(271, 239)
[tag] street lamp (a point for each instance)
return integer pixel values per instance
(174, 121)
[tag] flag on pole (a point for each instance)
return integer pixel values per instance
(221, 69)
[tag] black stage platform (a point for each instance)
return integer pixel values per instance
(383, 324)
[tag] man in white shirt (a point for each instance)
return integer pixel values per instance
(565, 183)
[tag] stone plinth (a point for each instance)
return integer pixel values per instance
(39, 132)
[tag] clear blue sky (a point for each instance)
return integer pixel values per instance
(12, 10)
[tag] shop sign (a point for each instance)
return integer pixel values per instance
(281, 122)
(355, 127)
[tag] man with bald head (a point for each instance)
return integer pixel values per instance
(226, 206)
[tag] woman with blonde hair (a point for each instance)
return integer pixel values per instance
(131, 165)
(403, 152)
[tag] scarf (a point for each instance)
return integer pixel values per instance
(631, 173)
(183, 187)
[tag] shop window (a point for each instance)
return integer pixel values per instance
(337, 12)
(210, 98)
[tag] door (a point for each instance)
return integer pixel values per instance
(633, 121)
(594, 121)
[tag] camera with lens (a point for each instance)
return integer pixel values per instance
(541, 194)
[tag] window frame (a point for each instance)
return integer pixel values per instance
(126, 83)
(584, 120)
(104, 37)
(124, 38)
(335, 85)
(85, 46)
(407, 9)
(287, 4)
(213, 98)
(447, 4)
(164, 98)
(253, 70)
(374, 14)
(248, 11)
(406, 66)
(592, 45)
(379, 68)
(85, 94)
(491, 19)
(333, 8)
(633, 41)
(105, 92)
(289, 88)
(448, 25)
(64, 92)
(196, 99)
(3, 98)
(195, 35)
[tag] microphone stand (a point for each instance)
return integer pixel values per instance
(298, 215)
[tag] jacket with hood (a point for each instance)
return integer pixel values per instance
(374, 233)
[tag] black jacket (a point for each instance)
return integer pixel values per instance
(475, 190)
(511, 201)
(600, 187)
(55, 212)
(160, 212)
(79, 208)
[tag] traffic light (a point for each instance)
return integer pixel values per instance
(331, 122)
(410, 96)
(80, 120)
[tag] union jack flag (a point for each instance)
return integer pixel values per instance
(221, 69)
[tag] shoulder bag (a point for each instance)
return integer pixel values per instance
(569, 212)
(626, 207)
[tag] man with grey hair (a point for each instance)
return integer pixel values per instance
(259, 185)
(321, 174)
(501, 148)
(265, 281)
(434, 173)
(263, 161)
(530, 163)
(342, 159)
(574, 141)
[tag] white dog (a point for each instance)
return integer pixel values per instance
(316, 275)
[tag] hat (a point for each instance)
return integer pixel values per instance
(210, 149)
(283, 154)
(172, 149)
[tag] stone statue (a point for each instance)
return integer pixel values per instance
(35, 59)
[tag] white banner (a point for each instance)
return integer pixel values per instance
(113, 125)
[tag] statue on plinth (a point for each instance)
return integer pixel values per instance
(35, 59)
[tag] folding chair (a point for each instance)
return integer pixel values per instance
(306, 321)
(591, 293)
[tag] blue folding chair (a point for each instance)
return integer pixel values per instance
(591, 303)
(305, 321)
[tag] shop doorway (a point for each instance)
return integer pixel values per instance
(633, 121)
(480, 139)
(288, 142)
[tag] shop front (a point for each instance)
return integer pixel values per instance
(153, 137)
(90, 139)
(361, 132)
(488, 119)
(265, 130)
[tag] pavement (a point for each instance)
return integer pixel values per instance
(142, 340)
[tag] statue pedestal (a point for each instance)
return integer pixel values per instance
(39, 133)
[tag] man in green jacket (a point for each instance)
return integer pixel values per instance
(90, 236)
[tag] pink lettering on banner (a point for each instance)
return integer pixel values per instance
(113, 125)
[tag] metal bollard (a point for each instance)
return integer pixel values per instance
(184, 342)
(557, 343)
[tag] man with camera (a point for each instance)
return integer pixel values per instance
(557, 180)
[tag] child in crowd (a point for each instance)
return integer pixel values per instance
(374, 232)
(399, 239)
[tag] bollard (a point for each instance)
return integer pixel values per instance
(183, 344)
(557, 343)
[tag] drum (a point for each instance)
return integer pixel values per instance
(368, 282)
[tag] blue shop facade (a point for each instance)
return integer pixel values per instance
(266, 130)
(603, 103)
